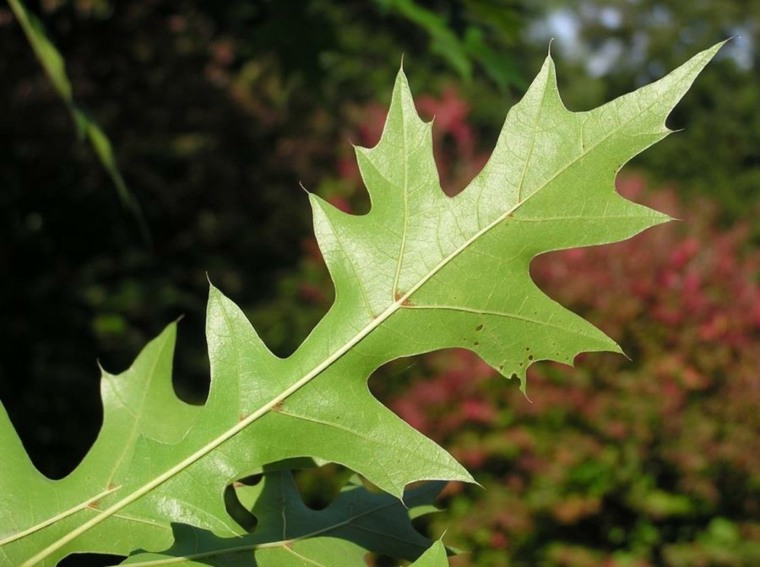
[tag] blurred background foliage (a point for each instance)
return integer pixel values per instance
(217, 112)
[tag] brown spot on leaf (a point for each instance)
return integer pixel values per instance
(398, 297)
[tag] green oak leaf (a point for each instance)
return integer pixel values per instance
(421, 271)
(55, 68)
(356, 523)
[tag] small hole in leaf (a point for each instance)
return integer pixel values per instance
(479, 327)
(319, 486)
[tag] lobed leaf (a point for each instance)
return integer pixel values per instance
(420, 271)
(290, 533)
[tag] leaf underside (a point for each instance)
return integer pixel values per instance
(421, 271)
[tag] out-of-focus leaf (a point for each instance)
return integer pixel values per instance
(55, 68)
